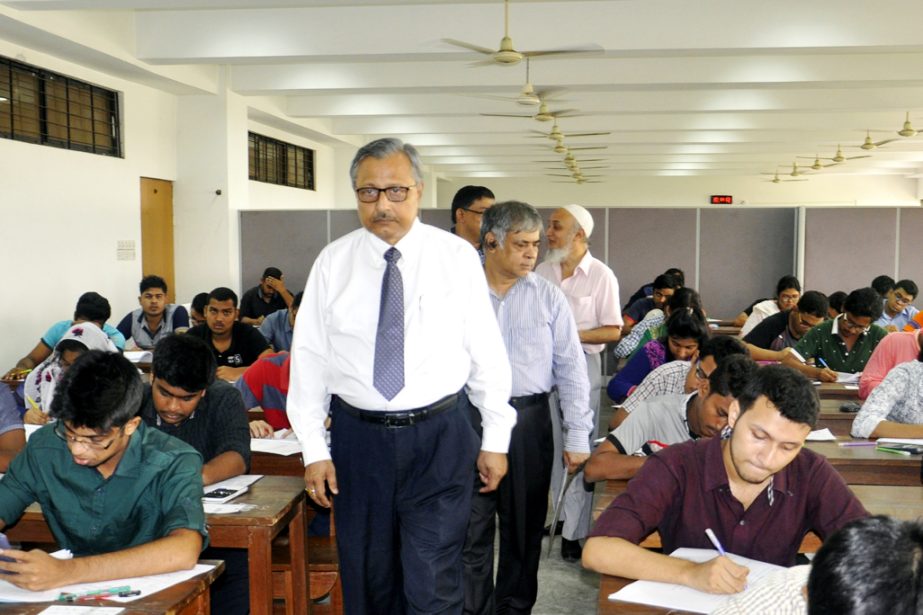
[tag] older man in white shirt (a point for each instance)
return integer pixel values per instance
(394, 328)
(592, 291)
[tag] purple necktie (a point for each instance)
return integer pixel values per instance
(389, 341)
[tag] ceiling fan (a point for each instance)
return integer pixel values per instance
(557, 135)
(908, 130)
(776, 180)
(817, 166)
(839, 157)
(543, 115)
(560, 148)
(507, 55)
(529, 95)
(868, 144)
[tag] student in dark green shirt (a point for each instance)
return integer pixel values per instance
(124, 498)
(845, 343)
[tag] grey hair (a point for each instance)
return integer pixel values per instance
(509, 217)
(382, 148)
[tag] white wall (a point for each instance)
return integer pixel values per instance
(63, 211)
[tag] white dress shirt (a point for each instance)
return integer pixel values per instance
(451, 337)
(592, 292)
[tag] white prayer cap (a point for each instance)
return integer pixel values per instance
(582, 216)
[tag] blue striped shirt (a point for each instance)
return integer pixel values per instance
(544, 350)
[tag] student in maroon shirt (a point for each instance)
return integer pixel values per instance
(758, 490)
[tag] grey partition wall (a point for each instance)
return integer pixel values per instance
(846, 248)
(743, 253)
(289, 240)
(440, 218)
(910, 261)
(343, 221)
(644, 243)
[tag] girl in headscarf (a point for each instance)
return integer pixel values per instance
(41, 382)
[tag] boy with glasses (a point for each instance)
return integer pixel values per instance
(124, 498)
(843, 344)
(897, 312)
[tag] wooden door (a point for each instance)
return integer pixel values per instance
(157, 231)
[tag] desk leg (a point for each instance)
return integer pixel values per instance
(259, 553)
(299, 557)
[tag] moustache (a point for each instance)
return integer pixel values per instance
(384, 217)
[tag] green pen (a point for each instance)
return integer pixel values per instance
(893, 451)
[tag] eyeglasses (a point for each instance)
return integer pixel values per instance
(853, 326)
(901, 299)
(59, 430)
(474, 211)
(395, 194)
(699, 372)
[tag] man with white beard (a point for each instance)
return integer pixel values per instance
(592, 291)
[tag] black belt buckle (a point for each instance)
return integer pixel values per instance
(393, 421)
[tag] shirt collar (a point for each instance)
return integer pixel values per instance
(409, 245)
(131, 461)
(835, 328)
(584, 264)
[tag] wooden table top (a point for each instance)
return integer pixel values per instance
(271, 497)
(277, 465)
(835, 390)
(170, 601)
(865, 465)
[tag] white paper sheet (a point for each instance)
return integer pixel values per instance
(61, 609)
(235, 482)
(139, 356)
(148, 585)
(821, 435)
(844, 378)
(900, 441)
(672, 596)
(276, 447)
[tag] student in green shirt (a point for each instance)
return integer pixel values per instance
(124, 498)
(843, 344)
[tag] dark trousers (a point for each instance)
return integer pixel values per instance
(520, 503)
(230, 593)
(405, 496)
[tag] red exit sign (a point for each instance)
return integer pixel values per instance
(722, 199)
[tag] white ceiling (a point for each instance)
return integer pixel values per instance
(721, 87)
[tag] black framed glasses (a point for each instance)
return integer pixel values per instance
(395, 194)
(854, 326)
(474, 211)
(901, 299)
(61, 431)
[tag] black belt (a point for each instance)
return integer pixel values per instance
(401, 418)
(527, 401)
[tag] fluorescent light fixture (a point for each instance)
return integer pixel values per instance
(3, 100)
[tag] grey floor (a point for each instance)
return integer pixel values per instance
(565, 588)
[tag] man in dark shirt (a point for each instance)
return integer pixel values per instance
(759, 491)
(769, 339)
(185, 401)
(663, 288)
(269, 296)
(235, 345)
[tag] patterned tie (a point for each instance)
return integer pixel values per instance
(389, 341)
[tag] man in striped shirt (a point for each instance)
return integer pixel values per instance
(544, 350)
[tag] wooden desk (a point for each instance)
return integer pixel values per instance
(277, 465)
(835, 390)
(831, 418)
(609, 584)
(864, 465)
(726, 330)
(190, 597)
(279, 504)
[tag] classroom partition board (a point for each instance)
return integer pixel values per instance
(845, 248)
(289, 240)
(440, 218)
(343, 221)
(910, 261)
(643, 243)
(742, 254)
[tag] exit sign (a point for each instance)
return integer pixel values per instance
(722, 199)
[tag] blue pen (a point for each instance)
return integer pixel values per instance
(822, 362)
(714, 541)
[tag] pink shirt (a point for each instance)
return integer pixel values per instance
(592, 292)
(893, 349)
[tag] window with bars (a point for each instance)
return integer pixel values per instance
(277, 162)
(39, 106)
